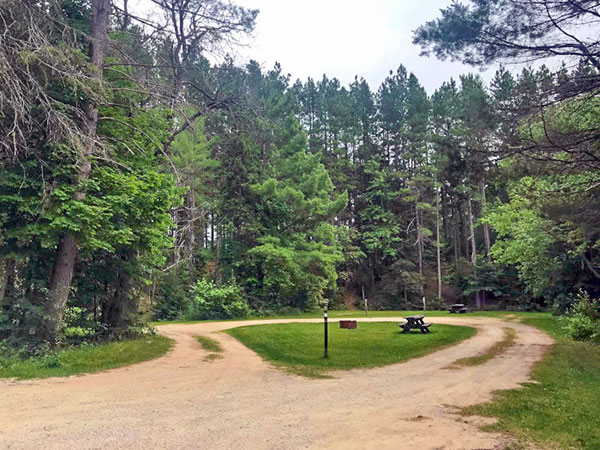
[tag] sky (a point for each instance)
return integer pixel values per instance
(345, 38)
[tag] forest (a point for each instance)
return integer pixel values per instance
(142, 179)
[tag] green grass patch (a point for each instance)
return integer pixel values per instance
(213, 356)
(210, 345)
(561, 409)
(497, 349)
(298, 347)
(87, 359)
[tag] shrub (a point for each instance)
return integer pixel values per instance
(217, 302)
(583, 320)
(173, 299)
(79, 325)
(436, 304)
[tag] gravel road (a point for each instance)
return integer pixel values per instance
(182, 401)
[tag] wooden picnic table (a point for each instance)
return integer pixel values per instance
(415, 323)
(458, 308)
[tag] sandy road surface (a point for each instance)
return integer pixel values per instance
(240, 402)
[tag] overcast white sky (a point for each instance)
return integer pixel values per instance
(344, 38)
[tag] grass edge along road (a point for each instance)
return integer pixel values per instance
(87, 359)
(559, 409)
(497, 349)
(298, 347)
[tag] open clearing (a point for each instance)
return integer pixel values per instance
(240, 401)
(298, 347)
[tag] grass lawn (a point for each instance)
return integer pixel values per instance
(298, 347)
(562, 408)
(87, 359)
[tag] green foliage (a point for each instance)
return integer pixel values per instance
(119, 215)
(548, 232)
(582, 322)
(79, 325)
(298, 249)
(173, 295)
(20, 318)
(298, 193)
(216, 302)
(524, 237)
(498, 282)
(381, 233)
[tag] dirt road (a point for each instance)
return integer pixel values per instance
(240, 402)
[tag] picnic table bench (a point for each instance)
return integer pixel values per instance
(458, 308)
(415, 323)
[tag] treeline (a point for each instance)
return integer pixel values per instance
(429, 181)
(139, 180)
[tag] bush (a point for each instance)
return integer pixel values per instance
(217, 302)
(79, 325)
(583, 320)
(436, 304)
(173, 299)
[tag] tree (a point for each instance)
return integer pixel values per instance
(485, 31)
(380, 230)
(66, 252)
(525, 238)
(297, 250)
(68, 124)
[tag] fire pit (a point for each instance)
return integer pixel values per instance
(348, 324)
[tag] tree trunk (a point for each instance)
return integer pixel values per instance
(438, 245)
(60, 285)
(117, 311)
(420, 246)
(190, 201)
(66, 253)
(473, 250)
(8, 279)
(126, 16)
(212, 231)
(372, 276)
(419, 238)
(456, 232)
(465, 228)
(486, 227)
(445, 216)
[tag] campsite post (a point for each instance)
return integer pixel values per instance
(326, 343)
